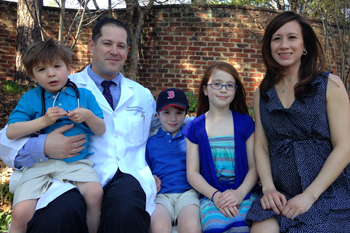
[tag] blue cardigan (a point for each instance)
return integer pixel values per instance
(243, 128)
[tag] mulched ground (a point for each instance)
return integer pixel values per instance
(7, 104)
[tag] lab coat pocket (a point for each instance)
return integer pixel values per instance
(137, 128)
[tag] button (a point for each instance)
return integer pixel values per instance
(53, 96)
(114, 115)
(41, 160)
(118, 159)
(108, 180)
(169, 141)
(59, 104)
(167, 134)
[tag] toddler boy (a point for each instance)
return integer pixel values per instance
(54, 103)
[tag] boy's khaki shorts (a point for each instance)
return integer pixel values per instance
(36, 180)
(174, 202)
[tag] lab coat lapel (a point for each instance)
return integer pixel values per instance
(126, 91)
(84, 81)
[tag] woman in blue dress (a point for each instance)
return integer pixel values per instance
(220, 159)
(302, 135)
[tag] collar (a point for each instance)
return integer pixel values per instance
(98, 79)
(68, 91)
(162, 133)
(272, 104)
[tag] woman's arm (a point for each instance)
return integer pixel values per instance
(272, 199)
(338, 112)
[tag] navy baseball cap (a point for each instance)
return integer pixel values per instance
(172, 97)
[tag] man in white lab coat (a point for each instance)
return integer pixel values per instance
(119, 155)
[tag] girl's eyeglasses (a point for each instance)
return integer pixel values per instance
(218, 86)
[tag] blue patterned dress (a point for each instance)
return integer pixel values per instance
(213, 221)
(299, 145)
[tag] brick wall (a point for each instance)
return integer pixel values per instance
(178, 43)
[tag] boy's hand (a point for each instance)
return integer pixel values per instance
(54, 113)
(158, 182)
(79, 115)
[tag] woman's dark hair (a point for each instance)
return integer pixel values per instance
(311, 64)
(238, 104)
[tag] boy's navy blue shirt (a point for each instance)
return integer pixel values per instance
(166, 156)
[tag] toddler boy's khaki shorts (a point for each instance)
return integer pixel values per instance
(36, 180)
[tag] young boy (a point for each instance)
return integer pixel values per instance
(54, 103)
(166, 156)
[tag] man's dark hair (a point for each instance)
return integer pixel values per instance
(96, 31)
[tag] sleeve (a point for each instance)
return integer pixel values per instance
(148, 159)
(22, 111)
(93, 106)
(9, 148)
(249, 127)
(189, 132)
(31, 153)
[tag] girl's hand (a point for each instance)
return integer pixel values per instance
(226, 211)
(298, 205)
(230, 198)
(54, 113)
(79, 115)
(229, 211)
(274, 200)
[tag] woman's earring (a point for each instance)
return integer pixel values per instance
(304, 52)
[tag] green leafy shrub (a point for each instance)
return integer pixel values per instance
(6, 198)
(5, 219)
(192, 101)
(13, 87)
(251, 112)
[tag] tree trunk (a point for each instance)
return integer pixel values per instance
(134, 20)
(62, 17)
(28, 32)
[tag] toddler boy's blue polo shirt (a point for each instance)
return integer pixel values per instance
(30, 105)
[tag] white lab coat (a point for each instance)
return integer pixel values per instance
(124, 143)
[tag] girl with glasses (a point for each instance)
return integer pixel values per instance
(220, 159)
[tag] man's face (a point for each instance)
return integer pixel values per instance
(109, 52)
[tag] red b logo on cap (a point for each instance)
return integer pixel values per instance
(171, 94)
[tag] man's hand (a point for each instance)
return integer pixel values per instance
(58, 146)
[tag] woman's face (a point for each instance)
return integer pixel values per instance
(287, 45)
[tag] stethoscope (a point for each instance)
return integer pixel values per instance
(43, 106)
(68, 84)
